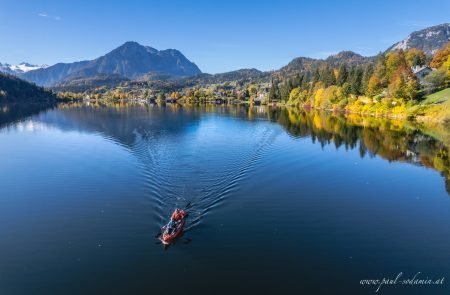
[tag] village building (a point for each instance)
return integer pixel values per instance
(421, 72)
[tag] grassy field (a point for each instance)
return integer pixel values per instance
(433, 113)
(437, 98)
(434, 108)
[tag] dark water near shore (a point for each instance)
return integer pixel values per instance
(283, 202)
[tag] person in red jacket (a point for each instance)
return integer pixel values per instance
(177, 215)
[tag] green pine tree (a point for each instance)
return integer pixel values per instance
(357, 80)
(342, 75)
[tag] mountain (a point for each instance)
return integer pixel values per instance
(15, 90)
(300, 64)
(53, 74)
(429, 40)
(131, 61)
(26, 67)
(246, 75)
(20, 68)
(348, 58)
(306, 64)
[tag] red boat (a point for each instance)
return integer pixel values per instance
(174, 228)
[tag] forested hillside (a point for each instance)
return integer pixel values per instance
(13, 89)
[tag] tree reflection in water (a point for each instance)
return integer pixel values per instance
(393, 140)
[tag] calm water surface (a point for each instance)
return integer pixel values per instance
(283, 202)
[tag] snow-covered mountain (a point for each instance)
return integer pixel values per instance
(429, 40)
(20, 68)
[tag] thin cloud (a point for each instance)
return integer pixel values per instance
(45, 14)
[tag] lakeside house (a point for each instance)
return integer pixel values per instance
(421, 72)
(261, 98)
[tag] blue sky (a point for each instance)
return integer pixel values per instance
(218, 35)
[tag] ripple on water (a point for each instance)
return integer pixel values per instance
(187, 168)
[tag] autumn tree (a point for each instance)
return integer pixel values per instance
(440, 57)
(415, 57)
(374, 86)
(394, 61)
(318, 98)
(252, 89)
(446, 67)
(331, 95)
(298, 95)
(175, 95)
(380, 69)
(403, 84)
(295, 94)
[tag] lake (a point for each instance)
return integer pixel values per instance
(283, 201)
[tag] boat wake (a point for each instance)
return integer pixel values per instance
(174, 176)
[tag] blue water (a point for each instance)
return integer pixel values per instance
(278, 205)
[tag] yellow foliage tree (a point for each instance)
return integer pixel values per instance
(403, 84)
(175, 95)
(374, 86)
(447, 66)
(295, 95)
(252, 89)
(331, 95)
(318, 97)
(394, 60)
